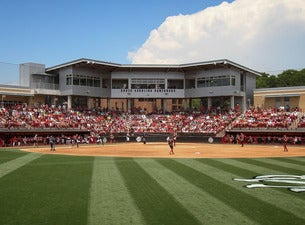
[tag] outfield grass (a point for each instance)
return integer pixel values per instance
(55, 189)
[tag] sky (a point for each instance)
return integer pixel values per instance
(264, 35)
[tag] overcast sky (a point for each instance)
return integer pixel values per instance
(264, 35)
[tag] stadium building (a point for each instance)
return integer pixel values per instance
(218, 84)
(288, 97)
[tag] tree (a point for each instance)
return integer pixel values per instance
(262, 81)
(287, 78)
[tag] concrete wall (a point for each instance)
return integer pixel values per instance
(25, 71)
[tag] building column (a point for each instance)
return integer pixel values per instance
(232, 102)
(69, 102)
(185, 104)
(209, 103)
(108, 103)
(99, 102)
(244, 103)
(88, 102)
(164, 106)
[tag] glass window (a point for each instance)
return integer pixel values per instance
(232, 80)
(190, 83)
(120, 84)
(97, 82)
(175, 84)
(105, 83)
(90, 82)
(69, 79)
(75, 79)
(216, 81)
(147, 83)
(82, 80)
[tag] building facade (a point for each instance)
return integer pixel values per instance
(288, 97)
(211, 85)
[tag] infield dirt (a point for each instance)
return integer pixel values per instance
(182, 150)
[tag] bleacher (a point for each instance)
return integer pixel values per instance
(20, 120)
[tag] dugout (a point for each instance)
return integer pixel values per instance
(162, 137)
(8, 136)
(266, 136)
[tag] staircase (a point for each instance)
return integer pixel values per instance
(229, 127)
(295, 123)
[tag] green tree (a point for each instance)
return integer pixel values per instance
(262, 81)
(287, 78)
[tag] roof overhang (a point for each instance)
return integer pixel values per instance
(83, 61)
(184, 67)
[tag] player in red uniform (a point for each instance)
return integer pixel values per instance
(284, 141)
(242, 138)
(170, 142)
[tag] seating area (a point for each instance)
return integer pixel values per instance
(270, 118)
(99, 121)
(103, 123)
(301, 123)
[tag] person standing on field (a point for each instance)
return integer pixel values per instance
(242, 138)
(285, 141)
(170, 142)
(111, 137)
(52, 143)
(35, 141)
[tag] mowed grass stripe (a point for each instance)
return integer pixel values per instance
(210, 181)
(299, 159)
(49, 190)
(9, 166)
(157, 205)
(205, 207)
(292, 161)
(299, 169)
(233, 169)
(110, 202)
(268, 165)
(9, 154)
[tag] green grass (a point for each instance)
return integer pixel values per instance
(7, 155)
(54, 189)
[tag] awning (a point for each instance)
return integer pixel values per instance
(282, 95)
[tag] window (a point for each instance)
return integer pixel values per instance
(146, 100)
(96, 82)
(175, 84)
(83, 80)
(190, 83)
(75, 79)
(120, 84)
(105, 83)
(147, 83)
(216, 81)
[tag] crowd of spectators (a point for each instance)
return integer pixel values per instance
(301, 123)
(269, 118)
(105, 122)
(100, 122)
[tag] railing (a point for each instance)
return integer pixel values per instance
(50, 86)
